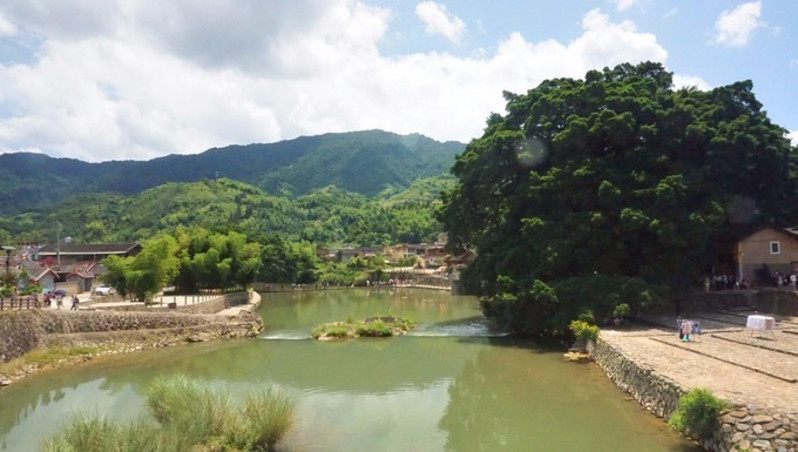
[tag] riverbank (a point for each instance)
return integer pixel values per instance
(757, 374)
(75, 337)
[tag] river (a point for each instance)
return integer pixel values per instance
(450, 385)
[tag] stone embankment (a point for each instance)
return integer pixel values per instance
(656, 373)
(120, 331)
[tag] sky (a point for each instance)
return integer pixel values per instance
(101, 80)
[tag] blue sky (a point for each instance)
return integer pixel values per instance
(106, 80)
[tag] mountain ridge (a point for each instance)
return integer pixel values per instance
(366, 162)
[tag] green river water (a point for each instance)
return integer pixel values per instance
(448, 386)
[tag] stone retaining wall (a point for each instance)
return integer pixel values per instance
(658, 394)
(743, 428)
(772, 300)
(22, 331)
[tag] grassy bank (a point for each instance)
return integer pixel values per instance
(48, 358)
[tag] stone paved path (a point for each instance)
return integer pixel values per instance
(727, 359)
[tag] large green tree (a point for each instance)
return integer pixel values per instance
(618, 184)
(143, 275)
(215, 259)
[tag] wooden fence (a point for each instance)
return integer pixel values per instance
(23, 302)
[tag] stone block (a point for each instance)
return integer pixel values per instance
(770, 426)
(761, 419)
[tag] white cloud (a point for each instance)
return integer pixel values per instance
(437, 20)
(604, 41)
(734, 28)
(623, 5)
(157, 83)
(687, 81)
(793, 135)
(6, 27)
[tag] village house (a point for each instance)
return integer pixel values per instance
(73, 267)
(770, 248)
(346, 254)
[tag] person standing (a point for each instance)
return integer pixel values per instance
(59, 301)
(75, 303)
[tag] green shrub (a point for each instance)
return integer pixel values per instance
(621, 310)
(583, 330)
(698, 413)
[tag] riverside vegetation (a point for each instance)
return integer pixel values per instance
(698, 413)
(384, 326)
(184, 414)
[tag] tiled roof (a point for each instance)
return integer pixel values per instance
(88, 248)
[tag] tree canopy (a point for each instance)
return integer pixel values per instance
(615, 188)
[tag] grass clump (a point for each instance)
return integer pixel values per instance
(384, 326)
(698, 413)
(186, 415)
(269, 416)
(374, 328)
(337, 330)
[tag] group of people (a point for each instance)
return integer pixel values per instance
(783, 280)
(59, 300)
(723, 282)
(32, 300)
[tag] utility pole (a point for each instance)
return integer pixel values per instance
(58, 242)
(8, 250)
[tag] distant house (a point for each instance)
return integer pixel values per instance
(73, 267)
(87, 252)
(768, 246)
(345, 254)
(44, 276)
(464, 258)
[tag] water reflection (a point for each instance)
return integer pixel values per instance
(514, 396)
(450, 388)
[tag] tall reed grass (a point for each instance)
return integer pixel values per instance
(185, 415)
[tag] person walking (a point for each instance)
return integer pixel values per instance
(75, 303)
(59, 301)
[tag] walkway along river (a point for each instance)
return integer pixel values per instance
(757, 375)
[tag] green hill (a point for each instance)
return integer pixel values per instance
(328, 215)
(367, 162)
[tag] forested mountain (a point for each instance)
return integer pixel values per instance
(367, 162)
(325, 216)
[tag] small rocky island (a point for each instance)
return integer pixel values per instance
(383, 326)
